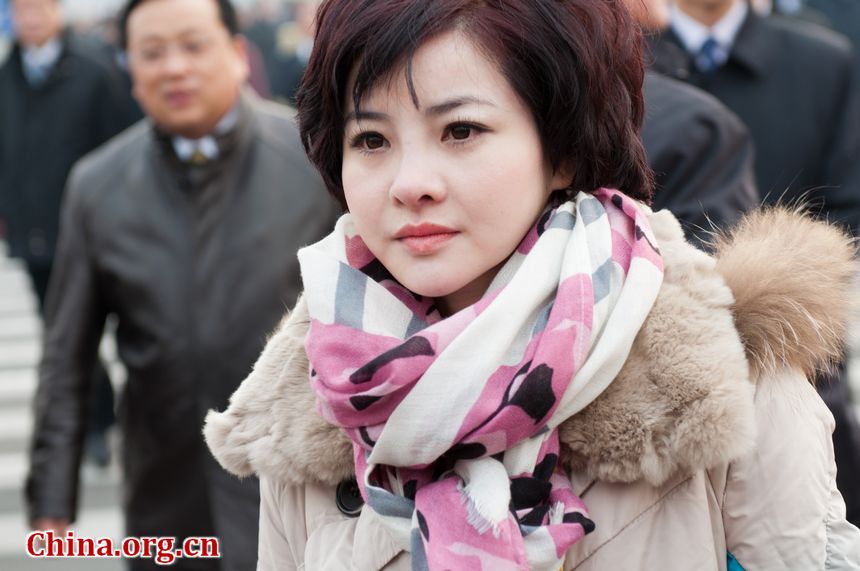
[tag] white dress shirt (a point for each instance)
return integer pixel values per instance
(693, 33)
(206, 146)
(38, 61)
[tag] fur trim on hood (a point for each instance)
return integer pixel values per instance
(775, 295)
(791, 278)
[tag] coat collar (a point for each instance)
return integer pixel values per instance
(754, 47)
(683, 400)
(64, 67)
(753, 50)
(233, 145)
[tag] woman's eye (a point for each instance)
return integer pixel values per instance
(461, 131)
(373, 141)
(368, 141)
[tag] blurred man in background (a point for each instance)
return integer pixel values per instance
(186, 228)
(701, 153)
(261, 22)
(792, 84)
(294, 43)
(60, 98)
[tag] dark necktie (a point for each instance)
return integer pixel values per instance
(710, 56)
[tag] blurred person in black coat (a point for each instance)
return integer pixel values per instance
(294, 49)
(261, 23)
(60, 97)
(792, 83)
(701, 153)
(185, 227)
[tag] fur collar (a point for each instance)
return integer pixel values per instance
(774, 295)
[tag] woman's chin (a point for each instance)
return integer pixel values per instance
(429, 290)
(456, 291)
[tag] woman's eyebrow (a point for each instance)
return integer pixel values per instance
(365, 116)
(453, 103)
(433, 110)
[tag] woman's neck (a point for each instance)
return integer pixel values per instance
(469, 294)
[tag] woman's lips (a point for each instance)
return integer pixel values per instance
(424, 239)
(424, 245)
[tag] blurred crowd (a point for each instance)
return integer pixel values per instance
(280, 33)
(185, 225)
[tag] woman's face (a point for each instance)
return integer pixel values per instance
(442, 194)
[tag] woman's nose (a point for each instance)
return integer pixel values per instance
(418, 180)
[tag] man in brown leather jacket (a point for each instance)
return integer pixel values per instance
(185, 228)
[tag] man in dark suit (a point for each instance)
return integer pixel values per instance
(185, 227)
(701, 153)
(60, 97)
(791, 82)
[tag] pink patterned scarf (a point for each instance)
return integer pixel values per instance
(453, 420)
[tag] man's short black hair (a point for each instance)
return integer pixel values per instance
(225, 10)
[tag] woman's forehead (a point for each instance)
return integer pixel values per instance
(447, 68)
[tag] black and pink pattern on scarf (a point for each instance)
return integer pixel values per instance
(361, 379)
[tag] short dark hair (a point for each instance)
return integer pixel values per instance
(225, 10)
(576, 64)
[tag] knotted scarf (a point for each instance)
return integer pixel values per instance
(453, 420)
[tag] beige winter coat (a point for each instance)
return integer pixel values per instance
(710, 441)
